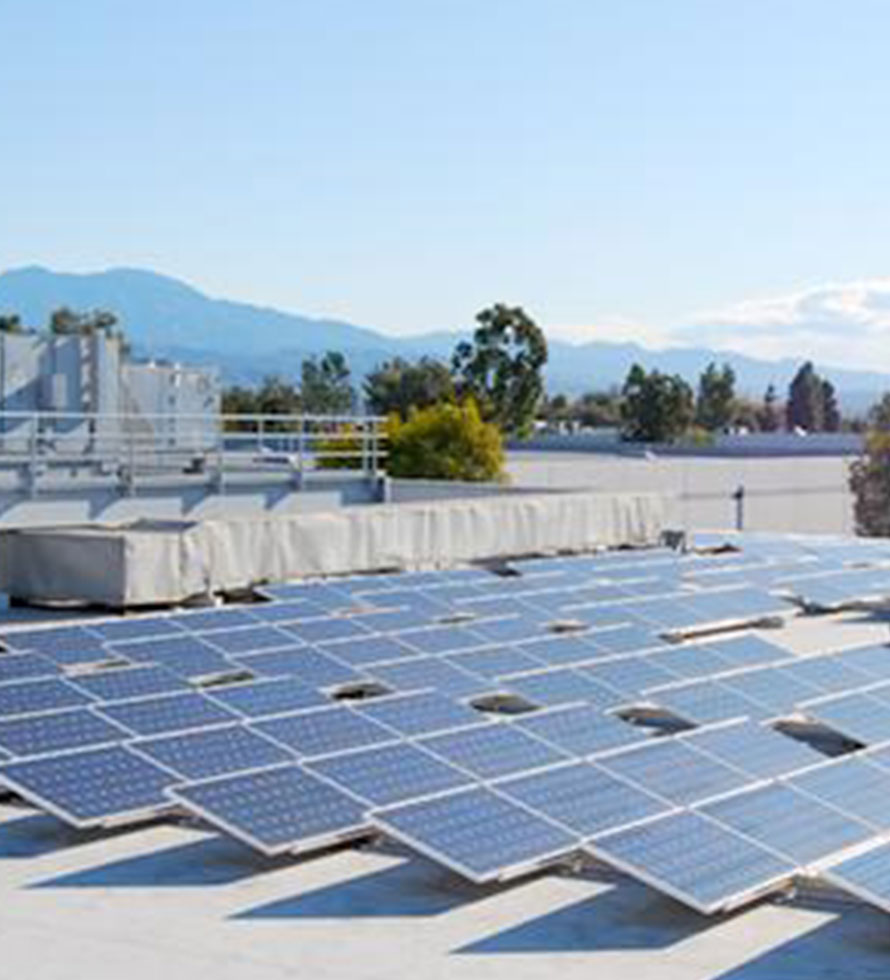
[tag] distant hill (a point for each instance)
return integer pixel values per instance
(165, 317)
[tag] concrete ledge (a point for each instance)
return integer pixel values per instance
(167, 562)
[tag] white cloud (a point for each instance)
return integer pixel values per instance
(845, 324)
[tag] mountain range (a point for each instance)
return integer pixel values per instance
(167, 318)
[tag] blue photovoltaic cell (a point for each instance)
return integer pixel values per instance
(495, 661)
(871, 660)
(57, 732)
(558, 651)
(625, 639)
(420, 713)
(443, 639)
(754, 749)
(510, 629)
(828, 674)
(250, 639)
(697, 861)
(367, 650)
(430, 672)
(860, 717)
(275, 810)
(25, 666)
(390, 774)
(774, 687)
(583, 798)
(581, 729)
(213, 752)
(167, 713)
(90, 786)
(67, 646)
(257, 699)
(286, 612)
(322, 630)
(705, 701)
(562, 686)
(629, 675)
(853, 786)
(186, 656)
(675, 771)
(393, 620)
(492, 750)
(748, 650)
(866, 875)
(137, 628)
(205, 620)
(33, 696)
(305, 663)
(322, 731)
(692, 661)
(129, 682)
(476, 832)
(789, 823)
(328, 597)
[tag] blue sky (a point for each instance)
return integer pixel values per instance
(623, 169)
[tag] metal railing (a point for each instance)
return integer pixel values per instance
(42, 449)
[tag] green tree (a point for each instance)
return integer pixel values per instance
(769, 418)
(870, 485)
(11, 323)
(325, 387)
(501, 368)
(879, 415)
(445, 442)
(715, 404)
(67, 322)
(656, 407)
(398, 386)
(831, 413)
(805, 407)
(598, 409)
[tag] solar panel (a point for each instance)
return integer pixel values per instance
(57, 731)
(33, 696)
(871, 660)
(249, 639)
(66, 646)
(774, 687)
(430, 672)
(290, 611)
(629, 675)
(477, 833)
(367, 650)
(754, 749)
(206, 620)
(580, 729)
(856, 715)
(748, 650)
(674, 770)
(275, 810)
(865, 875)
(128, 682)
(321, 630)
(418, 714)
(704, 701)
(827, 674)
(788, 823)
(393, 620)
(258, 699)
(211, 752)
(25, 666)
(90, 787)
(492, 750)
(327, 596)
(562, 686)
(559, 651)
(323, 731)
(307, 664)
(700, 863)
(583, 798)
(511, 629)
(852, 785)
(442, 639)
(691, 661)
(186, 656)
(390, 774)
(167, 713)
(495, 661)
(137, 628)
(625, 639)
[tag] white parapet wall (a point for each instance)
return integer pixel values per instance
(169, 562)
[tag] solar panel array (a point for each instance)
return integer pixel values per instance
(251, 718)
